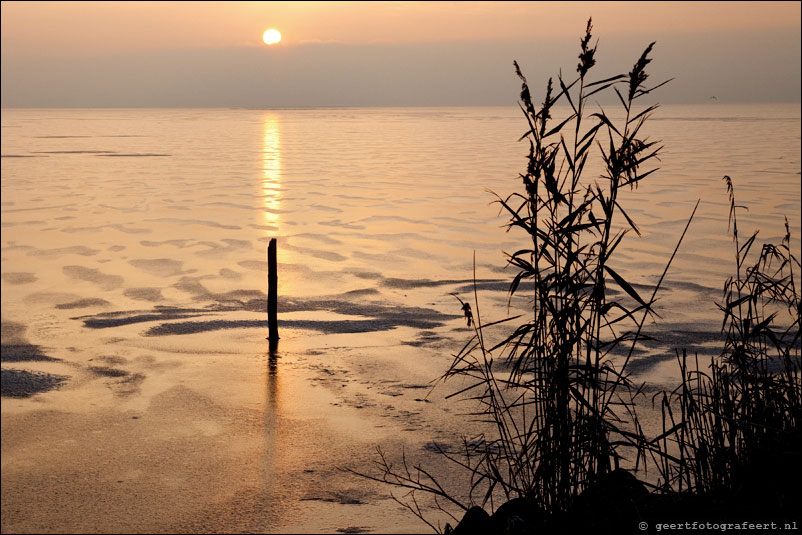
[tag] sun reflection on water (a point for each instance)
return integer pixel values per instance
(271, 169)
(272, 195)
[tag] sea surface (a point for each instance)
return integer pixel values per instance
(134, 278)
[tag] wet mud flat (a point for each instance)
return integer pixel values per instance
(168, 432)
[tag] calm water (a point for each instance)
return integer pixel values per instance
(144, 208)
(135, 241)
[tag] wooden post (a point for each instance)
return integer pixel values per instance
(272, 291)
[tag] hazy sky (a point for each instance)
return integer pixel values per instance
(383, 53)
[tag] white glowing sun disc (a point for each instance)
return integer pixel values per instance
(271, 37)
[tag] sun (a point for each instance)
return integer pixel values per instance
(271, 36)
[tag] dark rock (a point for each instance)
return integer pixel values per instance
(618, 503)
(476, 521)
(518, 516)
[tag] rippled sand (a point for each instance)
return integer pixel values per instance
(139, 392)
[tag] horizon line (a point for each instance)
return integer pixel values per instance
(334, 106)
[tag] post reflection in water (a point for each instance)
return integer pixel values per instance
(273, 446)
(271, 169)
(271, 377)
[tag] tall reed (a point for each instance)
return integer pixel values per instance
(556, 397)
(738, 424)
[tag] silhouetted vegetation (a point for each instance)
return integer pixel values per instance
(738, 427)
(557, 393)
